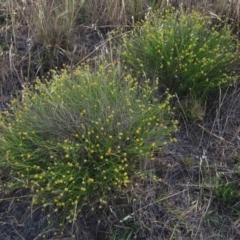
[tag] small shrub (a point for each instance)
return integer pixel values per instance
(228, 193)
(191, 109)
(82, 135)
(183, 51)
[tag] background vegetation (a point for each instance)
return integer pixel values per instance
(96, 143)
(188, 55)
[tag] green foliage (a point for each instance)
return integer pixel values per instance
(187, 54)
(82, 135)
(228, 193)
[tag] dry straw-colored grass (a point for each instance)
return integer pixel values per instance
(39, 35)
